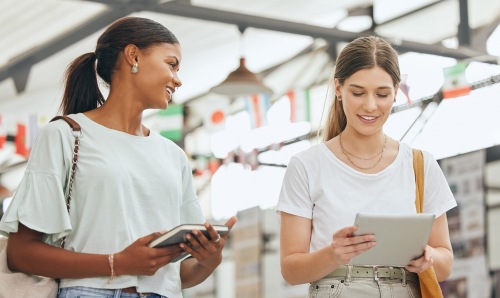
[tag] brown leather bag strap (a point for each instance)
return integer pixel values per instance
(74, 125)
(77, 133)
(418, 168)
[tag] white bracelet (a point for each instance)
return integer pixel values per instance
(111, 265)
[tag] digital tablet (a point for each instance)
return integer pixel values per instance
(178, 235)
(400, 238)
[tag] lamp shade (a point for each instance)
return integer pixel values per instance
(241, 82)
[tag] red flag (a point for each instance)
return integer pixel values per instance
(3, 133)
(20, 140)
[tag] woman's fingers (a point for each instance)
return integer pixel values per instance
(422, 263)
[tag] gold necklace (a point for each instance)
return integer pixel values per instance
(346, 153)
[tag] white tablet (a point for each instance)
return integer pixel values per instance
(400, 238)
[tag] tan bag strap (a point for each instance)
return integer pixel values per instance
(418, 168)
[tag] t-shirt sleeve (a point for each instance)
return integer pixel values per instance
(39, 201)
(294, 195)
(438, 197)
(190, 209)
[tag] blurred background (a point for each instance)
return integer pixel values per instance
(255, 92)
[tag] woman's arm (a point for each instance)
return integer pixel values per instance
(298, 266)
(207, 255)
(27, 253)
(438, 253)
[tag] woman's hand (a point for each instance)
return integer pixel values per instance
(139, 259)
(423, 263)
(346, 246)
(208, 252)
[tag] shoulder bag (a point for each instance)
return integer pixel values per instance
(21, 285)
(429, 285)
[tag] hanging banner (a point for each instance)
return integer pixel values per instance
(300, 105)
(455, 83)
(171, 121)
(257, 107)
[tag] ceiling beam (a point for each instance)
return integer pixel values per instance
(19, 67)
(402, 16)
(463, 26)
(480, 35)
(329, 34)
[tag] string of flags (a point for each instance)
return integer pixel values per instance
(170, 122)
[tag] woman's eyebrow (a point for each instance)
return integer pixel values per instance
(361, 87)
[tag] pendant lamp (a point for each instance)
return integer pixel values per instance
(241, 82)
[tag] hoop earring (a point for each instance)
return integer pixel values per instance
(135, 68)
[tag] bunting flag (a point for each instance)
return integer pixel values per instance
(213, 165)
(403, 86)
(300, 105)
(171, 121)
(21, 140)
(257, 107)
(3, 133)
(455, 83)
(215, 114)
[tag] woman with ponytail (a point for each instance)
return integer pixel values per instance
(358, 168)
(130, 182)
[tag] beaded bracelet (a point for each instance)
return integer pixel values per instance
(111, 265)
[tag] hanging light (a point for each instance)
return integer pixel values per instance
(241, 82)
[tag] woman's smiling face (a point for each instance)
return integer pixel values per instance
(367, 97)
(157, 76)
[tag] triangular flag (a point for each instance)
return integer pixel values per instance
(215, 114)
(21, 140)
(403, 86)
(257, 106)
(3, 133)
(455, 83)
(213, 165)
(171, 121)
(300, 105)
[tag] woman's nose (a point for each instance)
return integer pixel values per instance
(370, 104)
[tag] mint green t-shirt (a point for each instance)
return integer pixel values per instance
(126, 187)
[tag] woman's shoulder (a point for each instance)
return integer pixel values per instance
(55, 128)
(310, 157)
(168, 145)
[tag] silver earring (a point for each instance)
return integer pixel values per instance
(135, 68)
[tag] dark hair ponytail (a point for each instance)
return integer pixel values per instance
(81, 91)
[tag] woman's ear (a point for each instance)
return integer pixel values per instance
(337, 85)
(131, 53)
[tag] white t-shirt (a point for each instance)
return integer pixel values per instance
(319, 186)
(126, 187)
